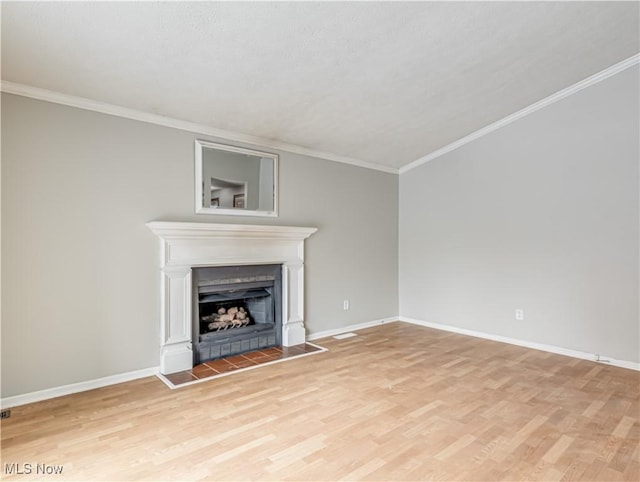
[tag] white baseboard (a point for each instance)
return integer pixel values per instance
(346, 329)
(606, 360)
(76, 387)
(49, 393)
(54, 392)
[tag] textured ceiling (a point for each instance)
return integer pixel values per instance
(385, 83)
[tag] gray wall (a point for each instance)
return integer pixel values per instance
(540, 215)
(80, 276)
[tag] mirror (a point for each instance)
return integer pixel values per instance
(234, 180)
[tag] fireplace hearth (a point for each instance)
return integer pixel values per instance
(236, 309)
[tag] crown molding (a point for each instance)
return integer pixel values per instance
(119, 111)
(134, 114)
(561, 94)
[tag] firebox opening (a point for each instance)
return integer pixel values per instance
(233, 309)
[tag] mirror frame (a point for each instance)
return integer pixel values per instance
(199, 157)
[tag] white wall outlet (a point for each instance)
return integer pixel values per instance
(519, 314)
(345, 305)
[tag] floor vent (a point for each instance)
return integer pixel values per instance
(344, 335)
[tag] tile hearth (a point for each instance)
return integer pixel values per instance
(224, 366)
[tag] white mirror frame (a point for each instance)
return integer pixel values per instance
(199, 157)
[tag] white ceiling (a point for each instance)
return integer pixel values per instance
(383, 83)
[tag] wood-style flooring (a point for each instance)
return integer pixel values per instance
(396, 402)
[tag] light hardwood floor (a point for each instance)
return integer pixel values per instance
(397, 402)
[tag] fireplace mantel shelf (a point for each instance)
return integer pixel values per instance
(168, 230)
(188, 245)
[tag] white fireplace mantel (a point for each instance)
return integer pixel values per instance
(188, 245)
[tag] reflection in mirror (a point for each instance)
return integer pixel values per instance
(234, 180)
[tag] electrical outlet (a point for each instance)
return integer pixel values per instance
(345, 305)
(519, 314)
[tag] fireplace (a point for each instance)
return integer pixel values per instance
(187, 247)
(236, 309)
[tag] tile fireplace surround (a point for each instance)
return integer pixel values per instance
(188, 245)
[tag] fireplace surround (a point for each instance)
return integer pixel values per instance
(185, 246)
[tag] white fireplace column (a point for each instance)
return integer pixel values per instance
(188, 245)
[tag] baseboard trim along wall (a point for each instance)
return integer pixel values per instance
(49, 393)
(599, 358)
(54, 392)
(346, 329)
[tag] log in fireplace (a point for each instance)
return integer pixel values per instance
(236, 309)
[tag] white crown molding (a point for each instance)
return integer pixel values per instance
(589, 81)
(606, 360)
(119, 111)
(49, 393)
